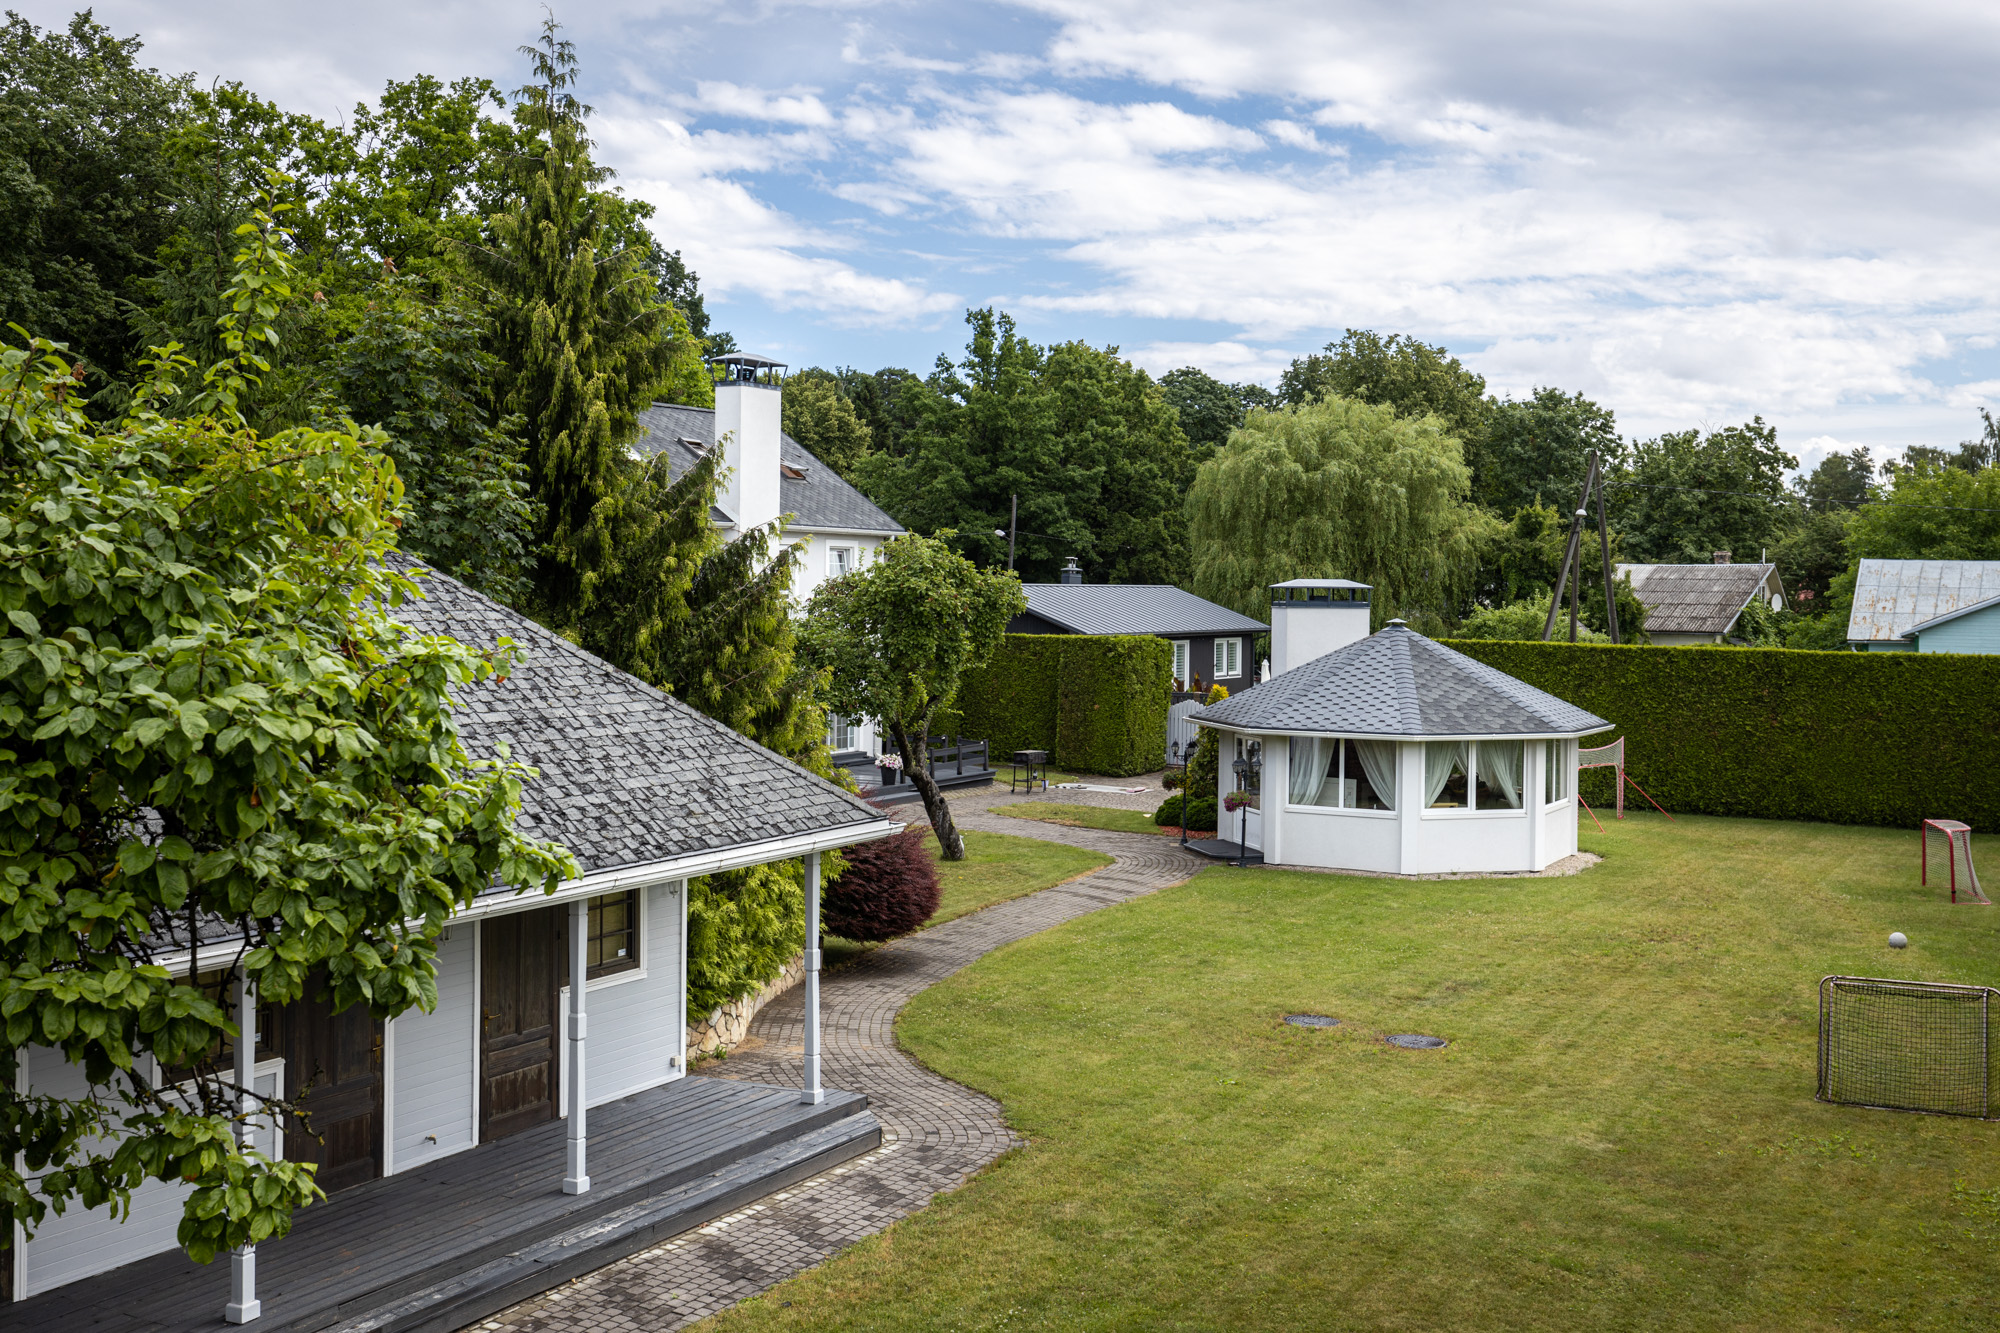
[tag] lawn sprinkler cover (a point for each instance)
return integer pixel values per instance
(1411, 1041)
(1311, 1021)
(1897, 940)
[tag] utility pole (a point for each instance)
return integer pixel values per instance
(1569, 554)
(1570, 576)
(1604, 549)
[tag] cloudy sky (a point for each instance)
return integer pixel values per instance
(1691, 212)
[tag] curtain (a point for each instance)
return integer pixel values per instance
(1500, 769)
(1378, 761)
(1439, 759)
(1311, 757)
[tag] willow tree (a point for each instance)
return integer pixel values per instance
(580, 330)
(1337, 489)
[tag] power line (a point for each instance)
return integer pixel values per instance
(1759, 495)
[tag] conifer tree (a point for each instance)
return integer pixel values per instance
(579, 328)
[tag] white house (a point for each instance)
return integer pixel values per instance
(1390, 752)
(521, 1112)
(772, 476)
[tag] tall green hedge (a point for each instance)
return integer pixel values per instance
(1852, 738)
(1096, 703)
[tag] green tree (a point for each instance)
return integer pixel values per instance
(1209, 409)
(681, 286)
(1970, 456)
(820, 417)
(1523, 620)
(1811, 554)
(894, 639)
(1534, 451)
(1407, 374)
(1931, 512)
(1684, 496)
(86, 182)
(1841, 481)
(208, 719)
(879, 400)
(1519, 561)
(1338, 489)
(581, 334)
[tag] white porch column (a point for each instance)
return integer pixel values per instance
(813, 1092)
(577, 1179)
(243, 1303)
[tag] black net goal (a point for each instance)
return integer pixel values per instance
(1906, 1045)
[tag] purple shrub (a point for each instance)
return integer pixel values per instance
(890, 888)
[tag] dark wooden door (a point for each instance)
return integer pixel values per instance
(518, 977)
(333, 1072)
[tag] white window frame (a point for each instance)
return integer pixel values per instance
(1472, 744)
(1229, 653)
(1392, 812)
(833, 555)
(1563, 762)
(1182, 661)
(642, 926)
(835, 725)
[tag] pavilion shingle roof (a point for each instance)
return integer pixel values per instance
(1399, 683)
(629, 774)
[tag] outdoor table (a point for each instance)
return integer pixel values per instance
(1026, 762)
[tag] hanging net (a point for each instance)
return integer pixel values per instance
(1952, 841)
(1607, 756)
(1905, 1045)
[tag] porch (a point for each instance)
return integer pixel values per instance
(442, 1245)
(955, 763)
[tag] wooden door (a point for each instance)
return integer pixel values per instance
(519, 972)
(333, 1072)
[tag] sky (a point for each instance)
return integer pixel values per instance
(1692, 213)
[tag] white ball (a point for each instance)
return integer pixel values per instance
(1897, 940)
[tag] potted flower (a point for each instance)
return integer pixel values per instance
(1235, 800)
(891, 766)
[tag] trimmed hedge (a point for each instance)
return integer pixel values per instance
(1849, 738)
(1200, 812)
(1096, 703)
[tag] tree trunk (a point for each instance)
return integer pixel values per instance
(917, 763)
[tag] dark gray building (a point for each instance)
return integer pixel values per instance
(1212, 644)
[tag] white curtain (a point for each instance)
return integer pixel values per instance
(1500, 769)
(1439, 759)
(1378, 761)
(1311, 758)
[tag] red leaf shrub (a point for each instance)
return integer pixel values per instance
(890, 888)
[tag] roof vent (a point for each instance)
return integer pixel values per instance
(1722, 557)
(1071, 573)
(795, 473)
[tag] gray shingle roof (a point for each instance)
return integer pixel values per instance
(1133, 608)
(820, 500)
(1893, 596)
(1399, 683)
(1695, 599)
(629, 775)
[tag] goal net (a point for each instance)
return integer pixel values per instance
(1607, 756)
(1948, 845)
(1905, 1045)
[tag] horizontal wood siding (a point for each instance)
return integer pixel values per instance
(1976, 633)
(635, 1026)
(431, 1084)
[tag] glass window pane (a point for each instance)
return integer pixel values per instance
(1315, 775)
(1370, 773)
(613, 945)
(1498, 765)
(1446, 780)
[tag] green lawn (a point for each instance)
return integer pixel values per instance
(1621, 1135)
(996, 867)
(1082, 816)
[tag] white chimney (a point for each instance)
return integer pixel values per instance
(1312, 617)
(749, 407)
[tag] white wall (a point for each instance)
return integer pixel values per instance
(747, 422)
(637, 1037)
(433, 1096)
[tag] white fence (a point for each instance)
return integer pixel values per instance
(1179, 728)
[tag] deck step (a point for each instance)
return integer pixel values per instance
(454, 1300)
(1222, 849)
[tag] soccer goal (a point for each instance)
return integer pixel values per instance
(1906, 1045)
(1613, 756)
(1954, 840)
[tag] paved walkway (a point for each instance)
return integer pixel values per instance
(935, 1133)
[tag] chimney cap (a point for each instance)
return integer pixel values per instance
(1721, 557)
(742, 368)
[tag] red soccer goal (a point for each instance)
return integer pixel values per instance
(1613, 756)
(1957, 843)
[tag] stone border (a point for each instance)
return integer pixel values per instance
(725, 1029)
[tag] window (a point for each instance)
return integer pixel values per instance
(1182, 682)
(839, 732)
(1228, 655)
(614, 935)
(1343, 774)
(839, 560)
(1473, 775)
(1250, 781)
(1558, 761)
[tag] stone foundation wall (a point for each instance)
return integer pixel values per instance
(721, 1030)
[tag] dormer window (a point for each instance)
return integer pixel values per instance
(792, 473)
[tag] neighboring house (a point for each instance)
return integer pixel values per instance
(1701, 603)
(449, 1121)
(772, 476)
(1212, 644)
(1390, 752)
(1926, 606)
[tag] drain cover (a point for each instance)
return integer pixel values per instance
(1410, 1041)
(1311, 1021)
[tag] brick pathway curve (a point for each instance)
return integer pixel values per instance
(935, 1133)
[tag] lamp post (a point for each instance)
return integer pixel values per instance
(1176, 761)
(1241, 768)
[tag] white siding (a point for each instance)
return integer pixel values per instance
(637, 1038)
(86, 1241)
(430, 1086)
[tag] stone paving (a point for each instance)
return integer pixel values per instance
(935, 1133)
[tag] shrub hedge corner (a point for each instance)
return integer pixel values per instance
(1096, 703)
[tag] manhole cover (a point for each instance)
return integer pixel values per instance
(1410, 1041)
(1311, 1021)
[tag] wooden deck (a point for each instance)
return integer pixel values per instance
(442, 1245)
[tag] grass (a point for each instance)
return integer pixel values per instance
(996, 868)
(1622, 1133)
(1082, 816)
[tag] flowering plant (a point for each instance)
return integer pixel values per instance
(890, 761)
(1235, 800)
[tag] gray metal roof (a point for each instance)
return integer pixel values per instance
(1698, 599)
(1133, 608)
(819, 501)
(1892, 597)
(1396, 682)
(629, 774)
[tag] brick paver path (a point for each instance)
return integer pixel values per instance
(935, 1133)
